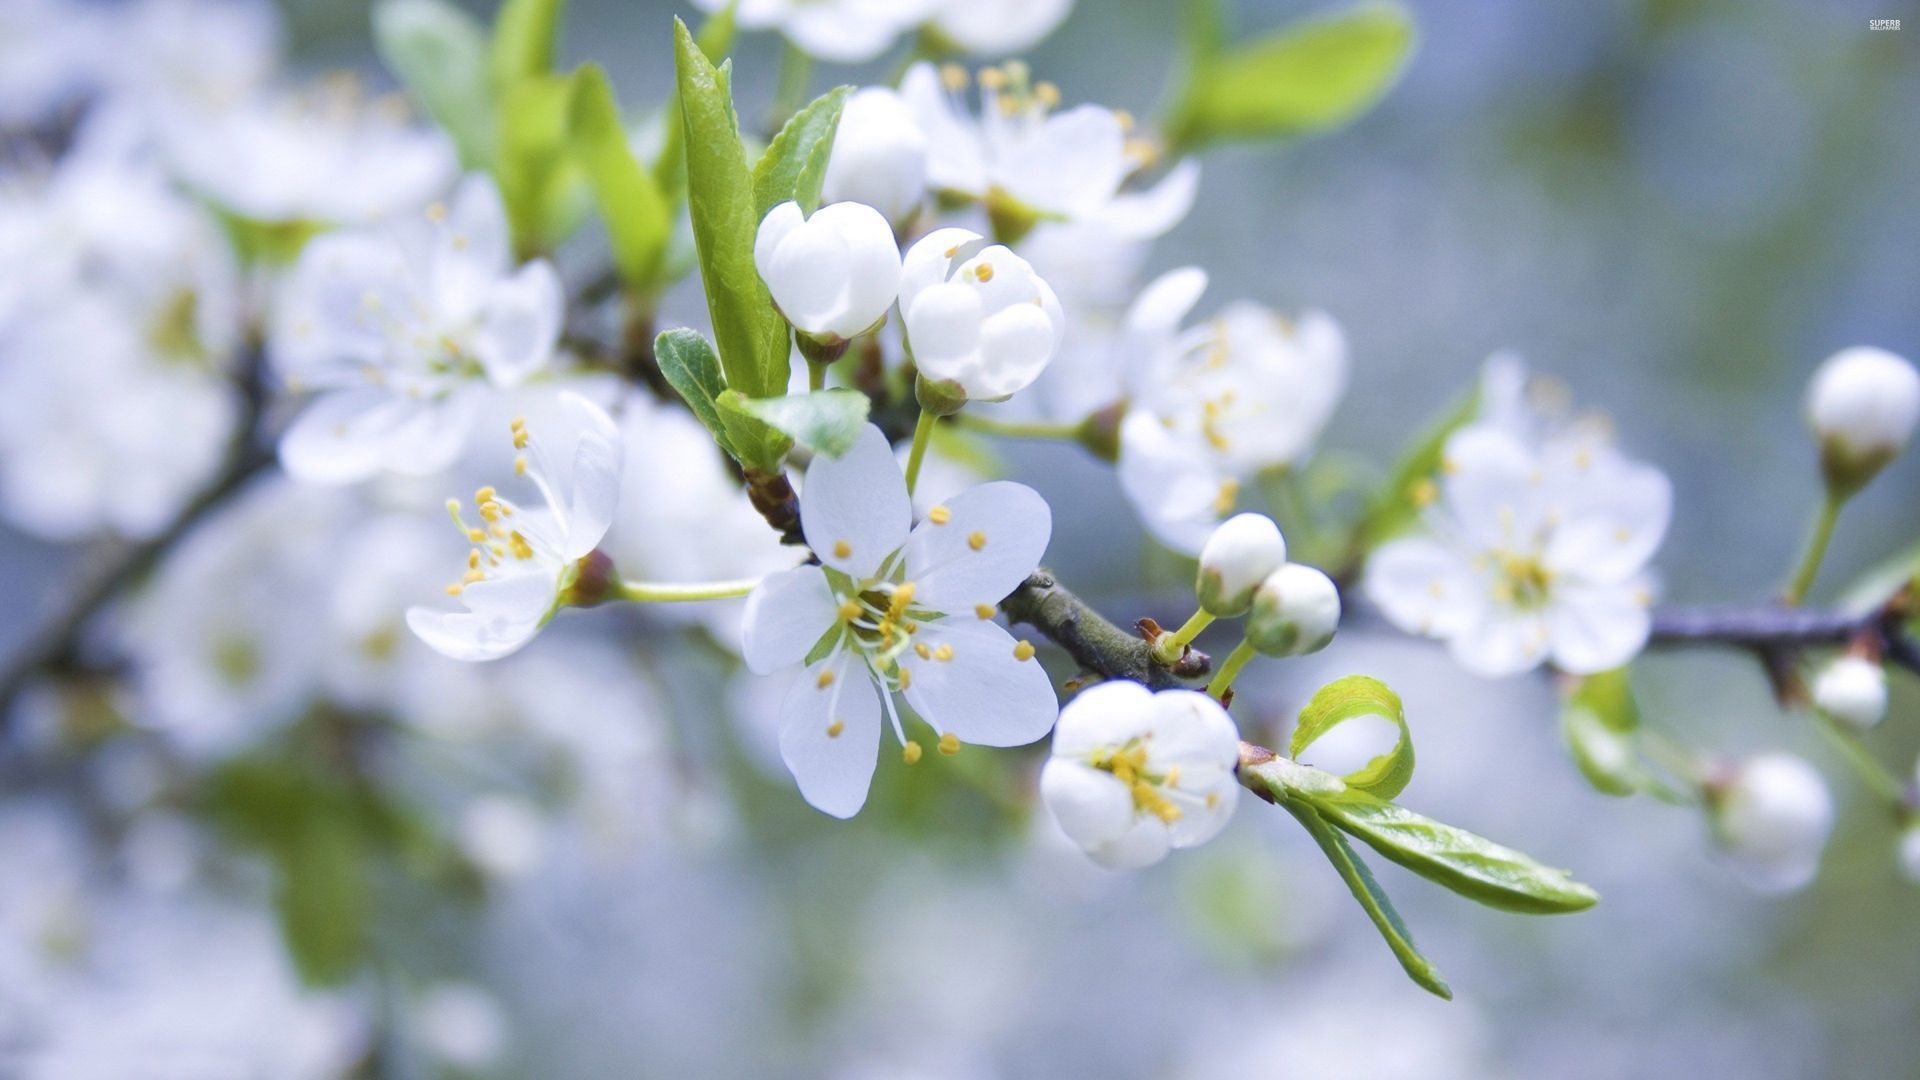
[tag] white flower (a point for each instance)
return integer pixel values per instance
(462, 1025)
(1772, 817)
(1910, 853)
(879, 155)
(840, 31)
(400, 329)
(1029, 164)
(977, 316)
(998, 27)
(527, 560)
(1218, 403)
(1295, 611)
(892, 610)
(1863, 403)
(1530, 554)
(1237, 557)
(1852, 690)
(833, 275)
(1135, 773)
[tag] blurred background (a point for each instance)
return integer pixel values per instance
(1676, 206)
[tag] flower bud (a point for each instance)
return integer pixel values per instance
(833, 275)
(977, 316)
(879, 155)
(1240, 554)
(1295, 611)
(1863, 404)
(1772, 816)
(1853, 691)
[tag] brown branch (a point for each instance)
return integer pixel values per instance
(1094, 643)
(1779, 631)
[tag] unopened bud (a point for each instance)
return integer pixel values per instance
(1240, 554)
(1295, 611)
(1853, 691)
(1863, 404)
(1772, 816)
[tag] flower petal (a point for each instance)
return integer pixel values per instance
(993, 537)
(1493, 486)
(1092, 806)
(955, 158)
(349, 435)
(1141, 846)
(1144, 215)
(786, 614)
(982, 691)
(830, 734)
(1613, 520)
(521, 324)
(1103, 716)
(1424, 587)
(593, 484)
(470, 250)
(1598, 627)
(1502, 643)
(857, 504)
(1073, 162)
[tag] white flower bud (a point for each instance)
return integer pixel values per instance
(1852, 690)
(1772, 818)
(833, 275)
(978, 318)
(1910, 853)
(879, 155)
(1240, 554)
(1863, 403)
(1295, 611)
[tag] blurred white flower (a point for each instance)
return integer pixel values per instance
(879, 155)
(997, 27)
(1863, 404)
(402, 329)
(840, 31)
(1909, 853)
(503, 835)
(527, 560)
(461, 1024)
(48, 58)
(1772, 816)
(834, 274)
(976, 315)
(1852, 690)
(1296, 610)
(1236, 559)
(1136, 773)
(205, 54)
(891, 610)
(1530, 553)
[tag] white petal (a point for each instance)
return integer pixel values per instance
(1501, 643)
(780, 223)
(1172, 482)
(349, 435)
(1144, 215)
(502, 615)
(1167, 299)
(1103, 716)
(1598, 627)
(955, 158)
(1072, 164)
(1614, 518)
(1141, 846)
(1206, 805)
(983, 693)
(1193, 731)
(857, 504)
(521, 324)
(807, 274)
(1424, 587)
(840, 33)
(944, 324)
(833, 766)
(594, 481)
(1493, 485)
(1012, 525)
(1016, 344)
(470, 250)
(1092, 806)
(873, 267)
(787, 613)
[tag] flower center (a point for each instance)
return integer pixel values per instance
(1521, 580)
(497, 543)
(1130, 766)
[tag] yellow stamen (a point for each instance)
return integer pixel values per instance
(1023, 651)
(834, 729)
(842, 549)
(985, 611)
(949, 744)
(939, 515)
(825, 680)
(910, 753)
(984, 272)
(944, 652)
(976, 541)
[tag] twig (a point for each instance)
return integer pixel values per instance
(1096, 644)
(1774, 630)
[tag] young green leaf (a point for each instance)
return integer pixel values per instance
(714, 38)
(1396, 507)
(439, 53)
(1598, 723)
(1317, 74)
(1373, 899)
(824, 421)
(1470, 865)
(1345, 699)
(751, 335)
(795, 164)
(525, 33)
(540, 182)
(636, 213)
(693, 371)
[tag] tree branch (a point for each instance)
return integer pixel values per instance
(1777, 630)
(1094, 643)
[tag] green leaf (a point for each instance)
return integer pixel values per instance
(439, 53)
(1598, 722)
(824, 421)
(525, 33)
(1373, 899)
(751, 335)
(795, 164)
(1470, 865)
(1317, 74)
(693, 370)
(714, 38)
(1345, 699)
(540, 182)
(638, 220)
(1396, 507)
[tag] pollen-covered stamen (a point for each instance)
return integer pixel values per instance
(1130, 765)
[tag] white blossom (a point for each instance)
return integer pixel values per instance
(1236, 559)
(526, 559)
(401, 329)
(1136, 773)
(841, 31)
(1772, 817)
(997, 27)
(462, 1025)
(1863, 404)
(879, 155)
(977, 317)
(1852, 690)
(833, 274)
(1296, 610)
(898, 608)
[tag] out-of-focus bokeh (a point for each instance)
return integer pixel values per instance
(1676, 206)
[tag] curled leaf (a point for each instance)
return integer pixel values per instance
(1345, 699)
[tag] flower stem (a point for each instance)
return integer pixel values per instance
(1876, 776)
(816, 376)
(922, 435)
(1230, 669)
(1816, 549)
(1020, 429)
(1169, 647)
(665, 592)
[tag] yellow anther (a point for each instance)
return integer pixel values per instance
(1213, 799)
(520, 465)
(949, 744)
(902, 597)
(437, 212)
(473, 558)
(906, 678)
(1228, 495)
(472, 575)
(834, 729)
(1449, 466)
(460, 242)
(484, 495)
(984, 272)
(477, 536)
(939, 515)
(977, 540)
(454, 589)
(1622, 535)
(985, 611)
(1173, 776)
(490, 510)
(825, 680)
(1023, 650)
(453, 506)
(519, 546)
(1047, 94)
(920, 648)
(944, 652)
(499, 531)
(910, 753)
(951, 252)
(1017, 70)
(849, 610)
(992, 78)
(842, 549)
(953, 77)
(1425, 492)
(1124, 119)
(519, 422)
(520, 439)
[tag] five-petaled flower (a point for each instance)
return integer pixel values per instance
(1135, 773)
(401, 329)
(898, 608)
(527, 562)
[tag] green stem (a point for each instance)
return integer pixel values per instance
(664, 592)
(1020, 429)
(922, 435)
(816, 376)
(1167, 650)
(796, 68)
(1816, 549)
(1237, 659)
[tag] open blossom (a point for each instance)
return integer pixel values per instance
(1219, 402)
(1532, 551)
(879, 155)
(526, 560)
(1135, 773)
(898, 608)
(834, 274)
(1028, 163)
(1772, 816)
(841, 31)
(400, 329)
(997, 27)
(977, 316)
